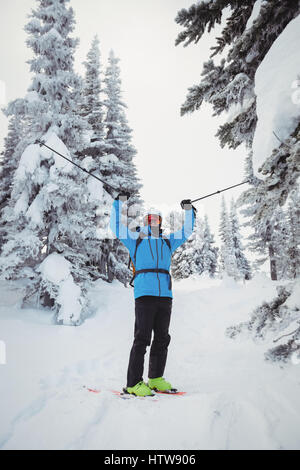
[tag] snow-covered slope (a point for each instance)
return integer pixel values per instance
(235, 399)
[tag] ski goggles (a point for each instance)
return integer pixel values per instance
(153, 218)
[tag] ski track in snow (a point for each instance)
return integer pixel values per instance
(235, 400)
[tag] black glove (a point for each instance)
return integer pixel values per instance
(186, 204)
(123, 194)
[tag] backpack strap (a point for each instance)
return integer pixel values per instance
(167, 240)
(129, 259)
(138, 242)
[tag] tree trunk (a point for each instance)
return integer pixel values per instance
(272, 263)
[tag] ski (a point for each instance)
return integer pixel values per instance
(125, 395)
(129, 396)
(92, 390)
(173, 391)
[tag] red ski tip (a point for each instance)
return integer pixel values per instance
(93, 390)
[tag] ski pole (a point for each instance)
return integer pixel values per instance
(221, 190)
(73, 163)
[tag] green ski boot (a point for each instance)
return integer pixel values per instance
(140, 390)
(160, 385)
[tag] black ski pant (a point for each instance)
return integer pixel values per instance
(151, 314)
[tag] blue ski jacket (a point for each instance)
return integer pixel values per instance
(153, 252)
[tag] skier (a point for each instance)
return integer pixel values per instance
(150, 252)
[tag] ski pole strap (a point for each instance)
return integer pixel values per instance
(153, 270)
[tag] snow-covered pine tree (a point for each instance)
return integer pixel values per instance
(279, 241)
(232, 82)
(50, 213)
(293, 237)
(257, 35)
(182, 261)
(55, 83)
(47, 218)
(120, 170)
(250, 30)
(196, 248)
(269, 236)
(92, 107)
(117, 166)
(242, 263)
(260, 240)
(197, 255)
(93, 111)
(209, 251)
(8, 165)
(228, 262)
(277, 318)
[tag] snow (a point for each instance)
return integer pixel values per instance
(22, 203)
(254, 14)
(51, 139)
(29, 162)
(35, 212)
(34, 153)
(95, 188)
(56, 269)
(235, 399)
(69, 299)
(32, 96)
(277, 110)
(293, 300)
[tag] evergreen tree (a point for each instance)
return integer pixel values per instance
(8, 165)
(243, 265)
(92, 107)
(92, 110)
(232, 82)
(197, 255)
(279, 239)
(196, 248)
(182, 261)
(229, 85)
(50, 214)
(56, 89)
(209, 252)
(248, 202)
(268, 238)
(228, 262)
(182, 265)
(293, 236)
(117, 165)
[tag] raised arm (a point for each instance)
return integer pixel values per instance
(125, 235)
(180, 236)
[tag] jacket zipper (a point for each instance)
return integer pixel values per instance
(157, 268)
(150, 248)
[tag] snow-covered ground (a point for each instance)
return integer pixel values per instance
(235, 399)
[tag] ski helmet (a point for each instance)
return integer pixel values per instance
(152, 211)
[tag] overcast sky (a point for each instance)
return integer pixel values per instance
(178, 157)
